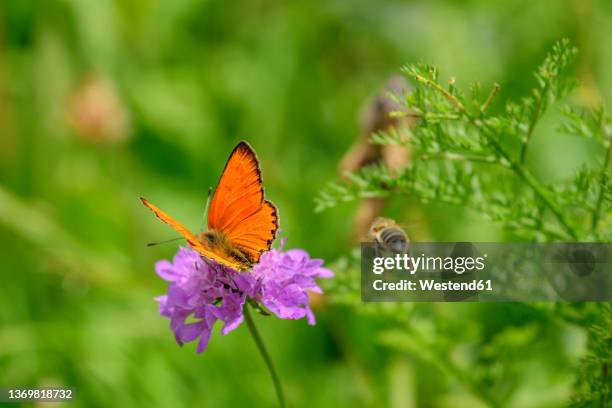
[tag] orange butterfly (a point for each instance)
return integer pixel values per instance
(241, 224)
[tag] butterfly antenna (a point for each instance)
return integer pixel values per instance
(204, 220)
(150, 244)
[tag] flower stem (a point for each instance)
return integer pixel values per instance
(265, 355)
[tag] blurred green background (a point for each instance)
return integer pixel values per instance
(102, 101)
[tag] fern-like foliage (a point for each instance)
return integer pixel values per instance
(594, 382)
(464, 155)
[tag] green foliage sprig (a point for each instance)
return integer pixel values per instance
(594, 381)
(463, 154)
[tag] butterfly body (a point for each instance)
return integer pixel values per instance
(217, 241)
(241, 223)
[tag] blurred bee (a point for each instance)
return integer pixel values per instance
(389, 236)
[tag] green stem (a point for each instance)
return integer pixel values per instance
(602, 186)
(532, 182)
(447, 94)
(445, 363)
(534, 119)
(492, 94)
(265, 355)
(462, 157)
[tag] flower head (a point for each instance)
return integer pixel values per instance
(284, 280)
(202, 291)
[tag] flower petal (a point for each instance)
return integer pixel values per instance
(205, 291)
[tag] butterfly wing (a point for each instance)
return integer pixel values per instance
(238, 208)
(192, 240)
(255, 234)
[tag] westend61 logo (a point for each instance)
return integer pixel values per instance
(462, 271)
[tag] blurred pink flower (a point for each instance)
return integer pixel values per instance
(96, 113)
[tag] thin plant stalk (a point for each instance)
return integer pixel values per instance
(265, 355)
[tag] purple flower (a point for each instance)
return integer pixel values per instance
(284, 280)
(202, 291)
